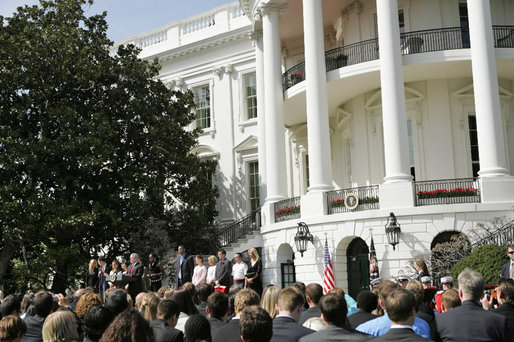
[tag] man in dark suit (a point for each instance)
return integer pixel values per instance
(203, 291)
(184, 267)
(255, 324)
(230, 332)
(164, 326)
(43, 306)
(333, 311)
(285, 324)
(217, 310)
(505, 292)
(470, 322)
(313, 293)
(103, 274)
(223, 270)
(367, 301)
(508, 268)
(134, 276)
(401, 308)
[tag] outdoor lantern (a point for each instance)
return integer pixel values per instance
(302, 237)
(392, 230)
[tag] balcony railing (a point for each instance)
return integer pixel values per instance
(287, 209)
(367, 199)
(450, 191)
(411, 43)
(241, 228)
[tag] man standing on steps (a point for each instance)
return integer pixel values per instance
(184, 266)
(223, 270)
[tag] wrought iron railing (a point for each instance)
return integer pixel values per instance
(293, 76)
(367, 199)
(448, 191)
(502, 237)
(442, 39)
(241, 228)
(288, 209)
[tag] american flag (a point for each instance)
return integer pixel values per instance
(373, 262)
(329, 281)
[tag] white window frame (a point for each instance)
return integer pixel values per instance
(249, 184)
(210, 83)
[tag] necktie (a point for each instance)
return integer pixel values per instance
(132, 268)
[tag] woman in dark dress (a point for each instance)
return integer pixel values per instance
(422, 269)
(92, 279)
(253, 276)
(155, 272)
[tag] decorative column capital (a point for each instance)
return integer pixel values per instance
(228, 69)
(271, 8)
(255, 37)
(217, 71)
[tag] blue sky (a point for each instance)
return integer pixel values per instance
(129, 17)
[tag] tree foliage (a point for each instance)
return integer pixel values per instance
(93, 149)
(486, 260)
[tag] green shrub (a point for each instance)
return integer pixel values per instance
(487, 260)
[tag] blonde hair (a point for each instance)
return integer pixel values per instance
(92, 264)
(269, 299)
(244, 298)
(254, 251)
(86, 302)
(60, 326)
(213, 258)
(149, 306)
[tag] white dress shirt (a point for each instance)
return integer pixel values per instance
(239, 270)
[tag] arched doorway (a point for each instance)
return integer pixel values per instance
(447, 248)
(285, 259)
(358, 266)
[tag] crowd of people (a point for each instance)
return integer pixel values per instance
(228, 307)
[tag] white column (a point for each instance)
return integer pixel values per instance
(261, 121)
(320, 163)
(393, 94)
(273, 106)
(491, 144)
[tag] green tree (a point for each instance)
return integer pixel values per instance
(93, 149)
(486, 260)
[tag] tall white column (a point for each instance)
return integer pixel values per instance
(273, 106)
(393, 94)
(491, 144)
(320, 163)
(261, 120)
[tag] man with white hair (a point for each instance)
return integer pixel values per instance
(470, 322)
(134, 276)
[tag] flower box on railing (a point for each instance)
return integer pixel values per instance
(288, 211)
(440, 193)
(365, 200)
(296, 78)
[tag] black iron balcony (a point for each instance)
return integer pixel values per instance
(287, 209)
(411, 43)
(447, 191)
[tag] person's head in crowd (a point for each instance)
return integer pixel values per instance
(197, 329)
(181, 250)
(88, 290)
(139, 300)
(12, 328)
(130, 302)
(238, 258)
(96, 321)
(255, 324)
(337, 290)
(28, 300)
(301, 287)
(117, 302)
(446, 283)
(334, 309)
(60, 326)
(450, 299)
(129, 326)
(313, 293)
(203, 291)
(222, 254)
(212, 260)
(505, 292)
(153, 257)
(418, 291)
(161, 291)
(384, 289)
(108, 292)
(421, 266)
(185, 302)
(379, 311)
(269, 299)
(92, 265)
(290, 302)
(426, 281)
(190, 288)
(10, 306)
(101, 261)
(471, 285)
(43, 303)
(217, 306)
(367, 301)
(149, 306)
(133, 258)
(199, 260)
(375, 282)
(168, 294)
(115, 265)
(86, 302)
(169, 311)
(124, 266)
(510, 252)
(253, 254)
(400, 305)
(232, 292)
(402, 280)
(244, 298)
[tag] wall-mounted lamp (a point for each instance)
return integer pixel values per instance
(393, 230)
(302, 237)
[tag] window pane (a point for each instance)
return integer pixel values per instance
(203, 106)
(251, 95)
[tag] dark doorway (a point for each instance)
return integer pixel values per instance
(358, 267)
(457, 245)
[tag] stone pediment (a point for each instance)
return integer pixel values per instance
(249, 143)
